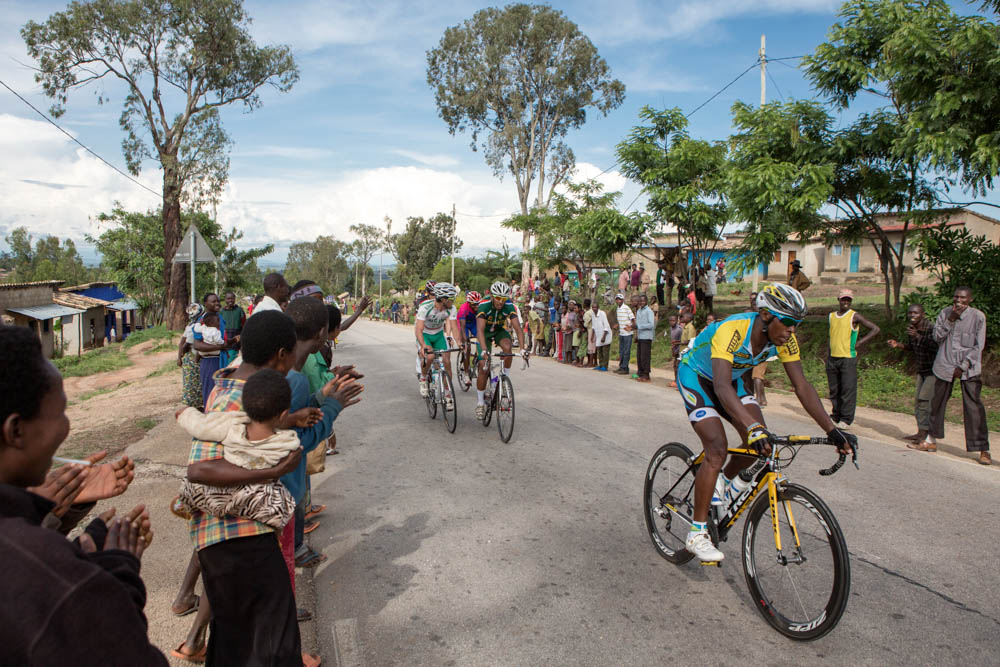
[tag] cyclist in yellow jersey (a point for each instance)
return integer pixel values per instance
(712, 381)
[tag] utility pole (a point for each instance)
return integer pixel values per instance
(763, 98)
(453, 225)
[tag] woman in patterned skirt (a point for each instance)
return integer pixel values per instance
(187, 359)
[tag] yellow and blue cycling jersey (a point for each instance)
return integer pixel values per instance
(727, 339)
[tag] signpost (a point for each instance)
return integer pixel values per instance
(193, 249)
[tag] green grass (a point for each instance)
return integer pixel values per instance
(146, 423)
(159, 332)
(163, 346)
(101, 360)
(165, 367)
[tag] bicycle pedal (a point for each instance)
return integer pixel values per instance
(711, 563)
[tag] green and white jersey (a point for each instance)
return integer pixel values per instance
(496, 320)
(433, 318)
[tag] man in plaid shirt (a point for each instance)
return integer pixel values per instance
(920, 341)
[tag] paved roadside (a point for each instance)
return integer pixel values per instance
(881, 425)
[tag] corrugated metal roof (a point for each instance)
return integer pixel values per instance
(123, 304)
(46, 312)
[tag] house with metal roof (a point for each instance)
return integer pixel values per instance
(31, 305)
(120, 318)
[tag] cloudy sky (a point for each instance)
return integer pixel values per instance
(358, 137)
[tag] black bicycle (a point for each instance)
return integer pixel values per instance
(796, 563)
(500, 397)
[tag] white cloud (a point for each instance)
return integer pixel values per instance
(431, 160)
(290, 152)
(55, 187)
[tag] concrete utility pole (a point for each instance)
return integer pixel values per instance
(763, 99)
(194, 260)
(453, 225)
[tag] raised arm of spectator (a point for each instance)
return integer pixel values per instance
(346, 323)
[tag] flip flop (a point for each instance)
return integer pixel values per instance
(314, 510)
(190, 610)
(310, 559)
(190, 657)
(311, 660)
(310, 526)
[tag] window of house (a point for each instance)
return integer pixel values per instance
(777, 256)
(45, 326)
(899, 247)
(838, 249)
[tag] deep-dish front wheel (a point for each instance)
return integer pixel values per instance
(803, 589)
(668, 500)
(464, 380)
(505, 408)
(450, 412)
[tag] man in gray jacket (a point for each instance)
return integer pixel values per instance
(645, 324)
(960, 331)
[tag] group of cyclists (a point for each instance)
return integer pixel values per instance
(711, 378)
(483, 320)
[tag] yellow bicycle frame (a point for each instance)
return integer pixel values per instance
(770, 482)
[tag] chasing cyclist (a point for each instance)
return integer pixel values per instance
(712, 384)
(492, 318)
(467, 324)
(435, 317)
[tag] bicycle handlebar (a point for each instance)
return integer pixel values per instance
(809, 440)
(511, 354)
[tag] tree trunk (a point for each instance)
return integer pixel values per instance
(174, 280)
(525, 262)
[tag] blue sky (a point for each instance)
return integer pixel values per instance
(358, 138)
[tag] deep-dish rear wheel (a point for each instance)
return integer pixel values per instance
(668, 500)
(505, 408)
(450, 412)
(803, 589)
(464, 381)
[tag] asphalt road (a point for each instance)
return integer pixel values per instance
(460, 550)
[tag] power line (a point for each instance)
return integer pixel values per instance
(722, 90)
(776, 87)
(77, 141)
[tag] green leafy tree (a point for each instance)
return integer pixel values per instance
(132, 252)
(521, 77)
(685, 178)
(371, 239)
(420, 247)
(180, 60)
(956, 258)
(583, 228)
(324, 260)
(49, 259)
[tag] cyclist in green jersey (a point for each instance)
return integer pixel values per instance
(492, 318)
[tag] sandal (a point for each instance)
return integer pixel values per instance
(922, 446)
(190, 657)
(309, 660)
(314, 510)
(309, 559)
(190, 610)
(310, 526)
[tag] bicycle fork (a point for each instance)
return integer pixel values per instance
(797, 556)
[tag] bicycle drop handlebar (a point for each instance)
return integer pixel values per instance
(797, 440)
(511, 354)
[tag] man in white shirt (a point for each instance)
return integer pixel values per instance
(276, 291)
(710, 287)
(625, 328)
(600, 334)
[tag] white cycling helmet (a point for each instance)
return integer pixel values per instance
(445, 291)
(782, 301)
(500, 288)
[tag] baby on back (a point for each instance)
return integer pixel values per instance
(251, 439)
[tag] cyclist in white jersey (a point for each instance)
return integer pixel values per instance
(435, 318)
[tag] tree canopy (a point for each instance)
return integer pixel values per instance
(180, 61)
(48, 259)
(420, 247)
(324, 260)
(518, 79)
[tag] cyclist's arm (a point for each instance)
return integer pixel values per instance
(481, 331)
(418, 331)
(518, 329)
(722, 382)
(454, 330)
(807, 395)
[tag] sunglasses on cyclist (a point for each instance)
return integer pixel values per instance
(788, 321)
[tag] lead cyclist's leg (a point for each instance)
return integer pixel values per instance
(713, 441)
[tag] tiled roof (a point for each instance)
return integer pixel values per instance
(39, 283)
(77, 300)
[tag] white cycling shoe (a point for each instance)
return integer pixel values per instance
(700, 544)
(480, 411)
(423, 389)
